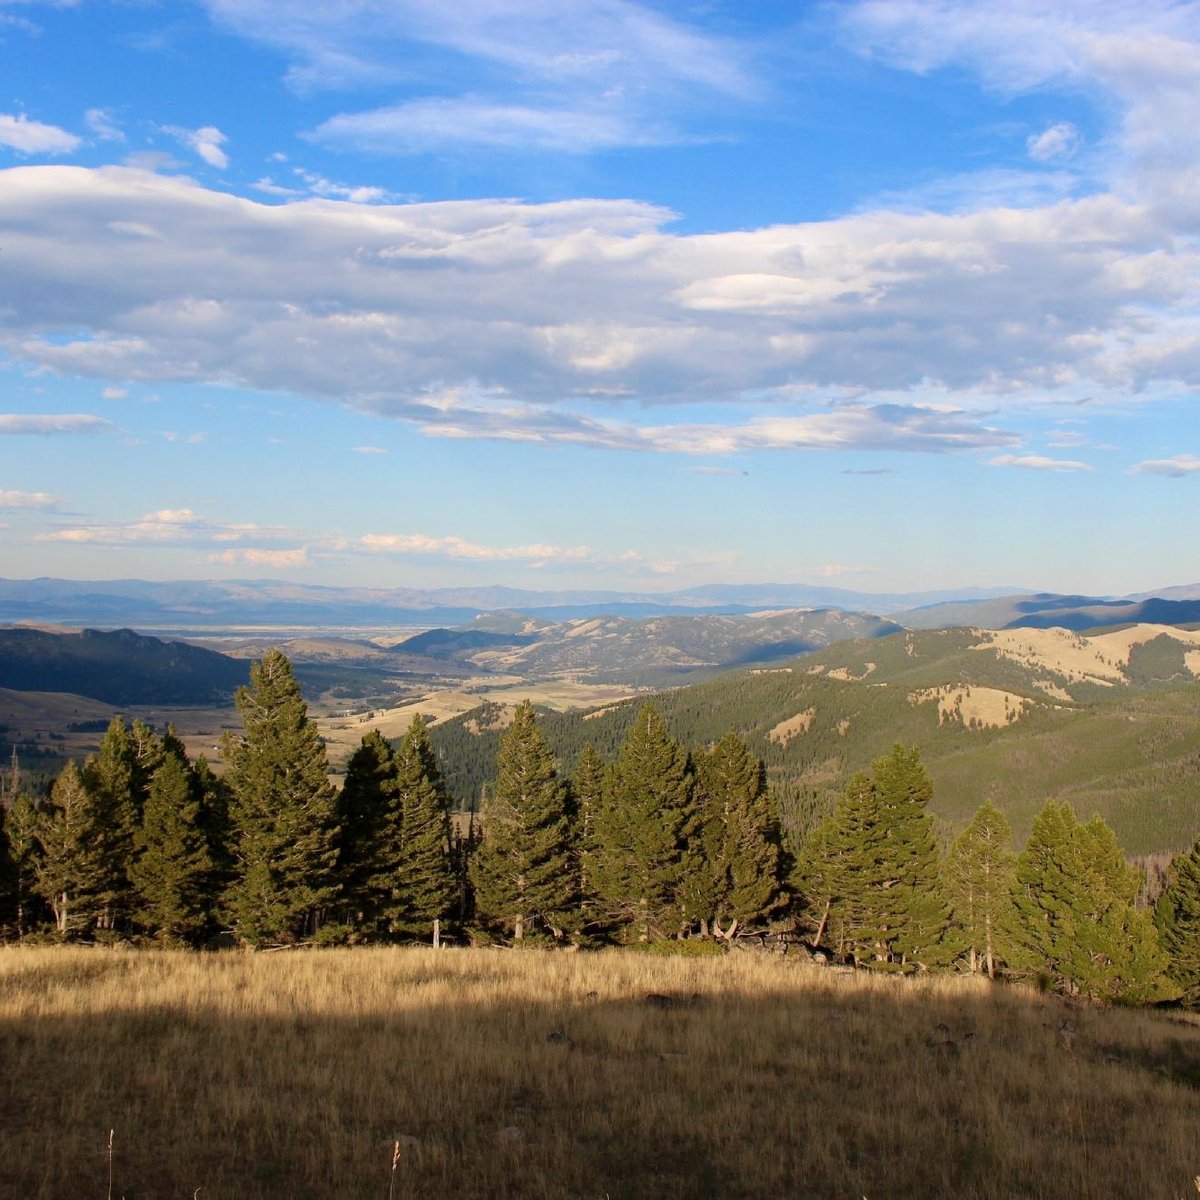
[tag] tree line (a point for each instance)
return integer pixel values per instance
(656, 843)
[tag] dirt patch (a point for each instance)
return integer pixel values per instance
(848, 676)
(976, 707)
(793, 726)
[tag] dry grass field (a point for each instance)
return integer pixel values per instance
(533, 1074)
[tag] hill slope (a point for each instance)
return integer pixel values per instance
(1111, 723)
(120, 667)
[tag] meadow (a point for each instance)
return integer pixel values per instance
(399, 1072)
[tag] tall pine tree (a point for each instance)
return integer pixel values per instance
(282, 811)
(173, 871)
(980, 870)
(1178, 918)
(642, 827)
(1077, 924)
(741, 836)
(369, 837)
(418, 833)
(524, 870)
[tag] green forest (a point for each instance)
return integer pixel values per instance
(648, 842)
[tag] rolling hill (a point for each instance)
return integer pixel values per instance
(1110, 722)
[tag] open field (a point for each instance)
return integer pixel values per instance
(534, 1074)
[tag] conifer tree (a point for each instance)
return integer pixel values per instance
(367, 848)
(21, 824)
(417, 834)
(75, 869)
(740, 835)
(282, 810)
(524, 870)
(645, 821)
(215, 820)
(1178, 919)
(980, 871)
(173, 871)
(1077, 923)
(587, 796)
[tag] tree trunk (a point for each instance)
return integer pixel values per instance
(991, 964)
(821, 927)
(519, 929)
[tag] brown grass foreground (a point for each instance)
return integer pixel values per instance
(293, 1075)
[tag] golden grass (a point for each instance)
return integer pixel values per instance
(296, 1075)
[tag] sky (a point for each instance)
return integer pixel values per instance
(885, 294)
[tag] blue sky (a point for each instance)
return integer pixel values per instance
(884, 293)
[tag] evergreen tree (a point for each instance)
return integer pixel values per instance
(21, 824)
(980, 871)
(369, 847)
(1077, 923)
(587, 796)
(524, 870)
(646, 819)
(1178, 918)
(282, 811)
(215, 821)
(418, 831)
(76, 873)
(173, 872)
(740, 834)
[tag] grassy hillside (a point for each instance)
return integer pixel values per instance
(990, 726)
(479, 1074)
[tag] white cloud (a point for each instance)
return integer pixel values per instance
(277, 559)
(19, 133)
(103, 125)
(205, 142)
(884, 330)
(456, 547)
(369, 450)
(1060, 140)
(169, 526)
(1174, 468)
(1038, 462)
(11, 499)
(46, 424)
(419, 126)
(114, 393)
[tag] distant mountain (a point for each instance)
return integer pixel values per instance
(121, 667)
(1046, 610)
(643, 652)
(1111, 723)
(186, 605)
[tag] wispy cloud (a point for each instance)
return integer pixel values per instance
(1174, 468)
(456, 547)
(103, 125)
(205, 143)
(1038, 462)
(371, 450)
(26, 136)
(11, 499)
(275, 559)
(1060, 140)
(48, 424)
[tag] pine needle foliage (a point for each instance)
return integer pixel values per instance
(417, 839)
(524, 872)
(1077, 924)
(646, 819)
(282, 811)
(369, 836)
(173, 871)
(979, 872)
(1178, 919)
(741, 836)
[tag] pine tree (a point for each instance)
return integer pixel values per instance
(980, 871)
(524, 870)
(282, 811)
(418, 829)
(21, 824)
(1178, 919)
(75, 869)
(740, 834)
(587, 795)
(642, 827)
(369, 848)
(173, 871)
(1077, 924)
